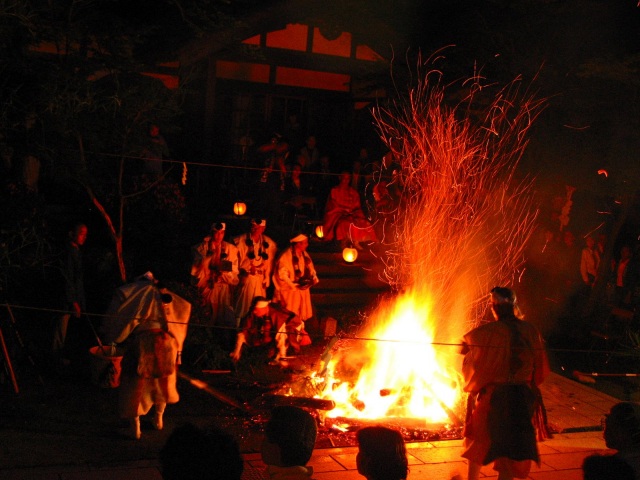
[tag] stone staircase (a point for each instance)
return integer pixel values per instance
(344, 286)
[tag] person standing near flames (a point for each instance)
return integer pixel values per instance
(215, 272)
(504, 362)
(267, 326)
(256, 254)
(294, 275)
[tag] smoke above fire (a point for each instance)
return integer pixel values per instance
(456, 221)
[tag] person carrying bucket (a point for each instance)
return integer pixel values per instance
(150, 323)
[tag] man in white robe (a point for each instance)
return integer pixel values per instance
(294, 275)
(256, 256)
(215, 273)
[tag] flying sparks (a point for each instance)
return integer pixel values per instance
(460, 222)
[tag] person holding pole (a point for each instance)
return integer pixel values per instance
(504, 362)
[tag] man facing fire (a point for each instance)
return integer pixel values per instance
(268, 325)
(504, 363)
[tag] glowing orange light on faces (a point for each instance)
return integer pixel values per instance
(603, 172)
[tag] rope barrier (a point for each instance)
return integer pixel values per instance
(214, 165)
(342, 336)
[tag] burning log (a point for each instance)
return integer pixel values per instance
(357, 404)
(451, 414)
(271, 400)
(385, 392)
(399, 423)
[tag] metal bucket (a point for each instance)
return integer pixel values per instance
(106, 366)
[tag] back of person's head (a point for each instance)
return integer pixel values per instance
(622, 426)
(192, 453)
(293, 431)
(605, 467)
(504, 303)
(382, 454)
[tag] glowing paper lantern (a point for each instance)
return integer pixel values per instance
(319, 231)
(349, 254)
(239, 208)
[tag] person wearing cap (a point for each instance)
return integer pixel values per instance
(269, 326)
(504, 362)
(256, 255)
(294, 274)
(622, 433)
(215, 272)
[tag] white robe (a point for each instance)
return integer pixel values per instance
(153, 334)
(256, 284)
(216, 287)
(286, 290)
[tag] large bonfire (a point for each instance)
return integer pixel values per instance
(461, 220)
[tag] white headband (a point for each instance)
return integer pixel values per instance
(298, 238)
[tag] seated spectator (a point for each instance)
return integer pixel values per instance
(344, 219)
(323, 181)
(197, 454)
(622, 433)
(309, 154)
(290, 435)
(267, 326)
(298, 198)
(382, 454)
(625, 273)
(605, 467)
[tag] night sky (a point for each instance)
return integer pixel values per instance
(583, 57)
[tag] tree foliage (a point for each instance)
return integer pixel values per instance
(75, 96)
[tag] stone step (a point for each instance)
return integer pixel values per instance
(344, 286)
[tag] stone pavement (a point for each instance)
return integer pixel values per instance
(574, 410)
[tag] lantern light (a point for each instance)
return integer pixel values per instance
(239, 208)
(349, 254)
(319, 231)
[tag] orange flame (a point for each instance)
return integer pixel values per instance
(401, 374)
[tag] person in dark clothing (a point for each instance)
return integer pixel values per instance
(382, 454)
(74, 287)
(199, 454)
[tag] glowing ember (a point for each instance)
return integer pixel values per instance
(459, 227)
